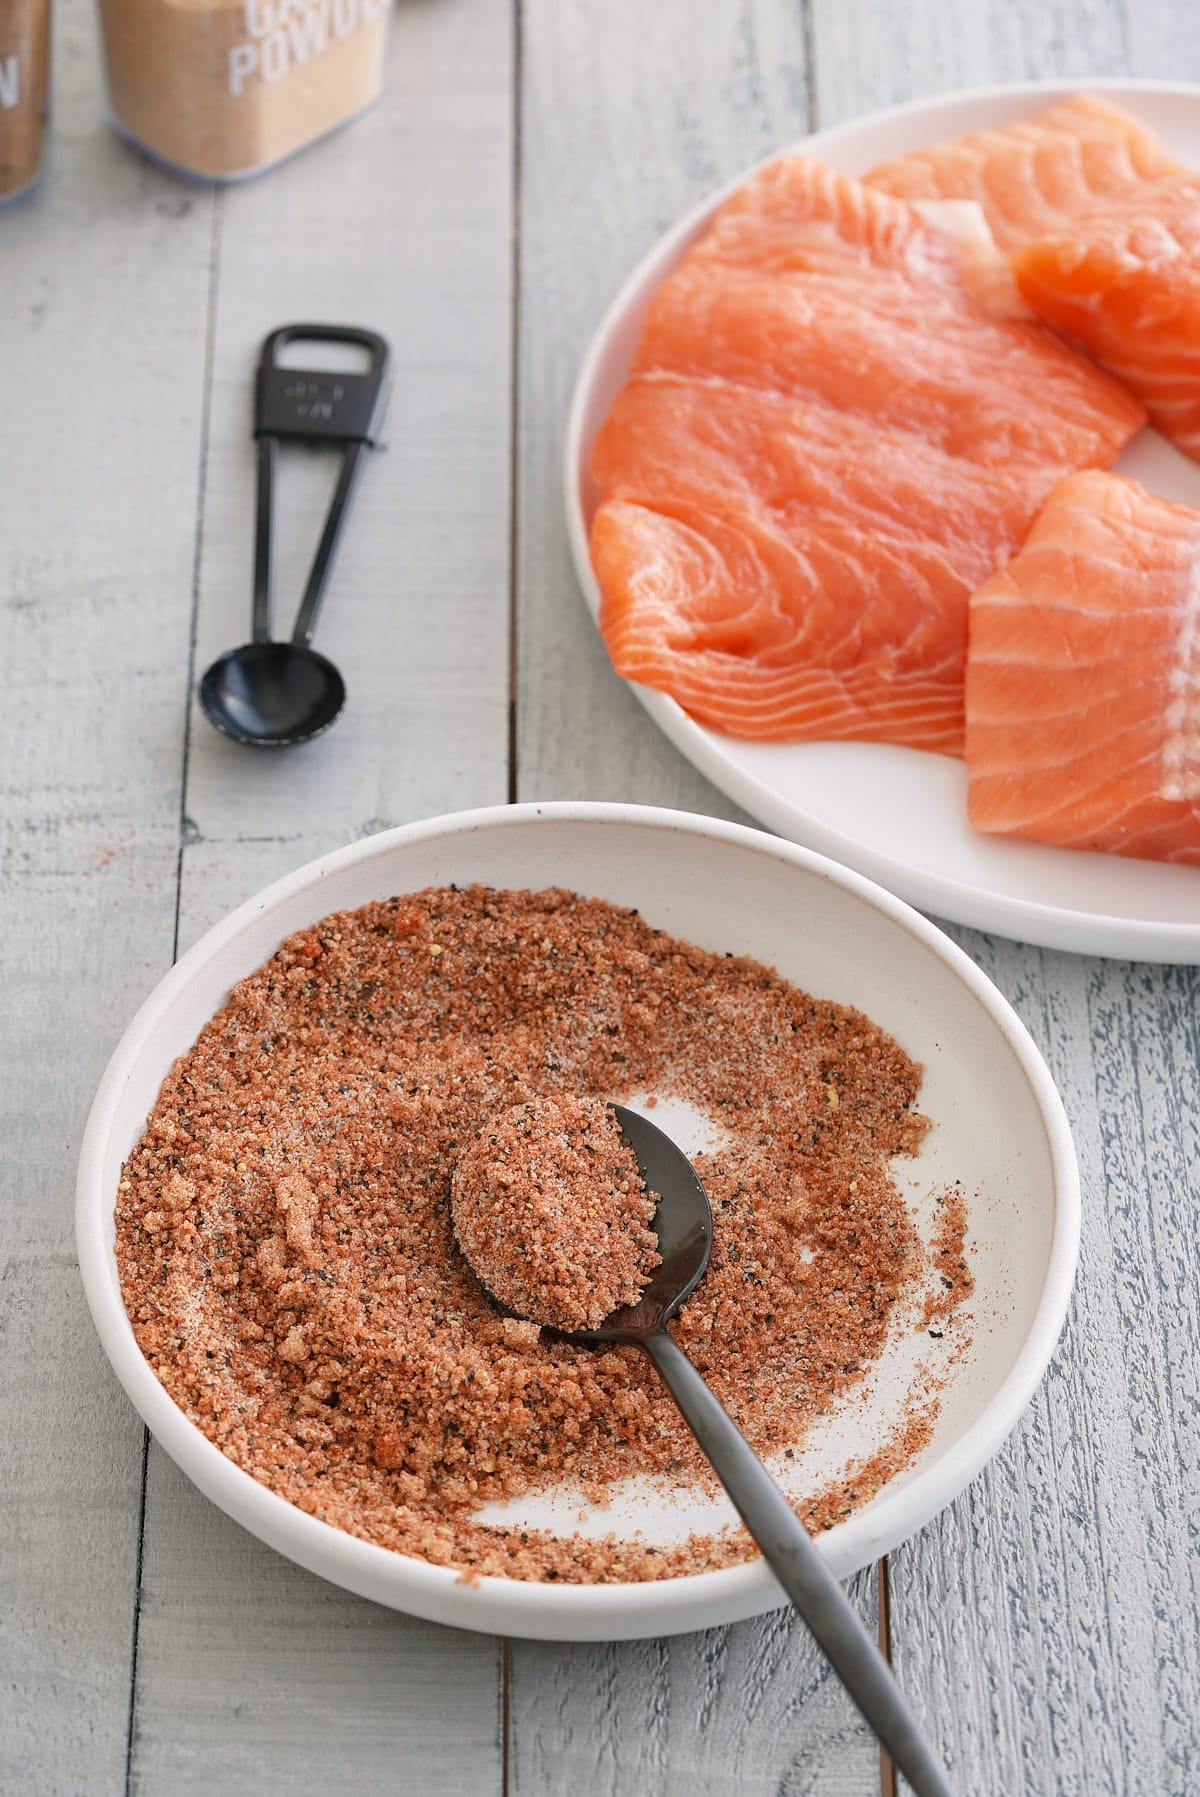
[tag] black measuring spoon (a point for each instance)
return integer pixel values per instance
(271, 694)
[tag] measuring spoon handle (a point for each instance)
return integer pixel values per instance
(261, 621)
(306, 618)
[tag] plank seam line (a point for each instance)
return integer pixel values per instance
(210, 336)
(514, 438)
(505, 1712)
(214, 249)
(808, 38)
(131, 1718)
(883, 1607)
(514, 450)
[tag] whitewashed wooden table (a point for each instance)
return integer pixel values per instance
(526, 153)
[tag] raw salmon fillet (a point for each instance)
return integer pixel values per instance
(1083, 678)
(825, 445)
(1034, 177)
(1124, 281)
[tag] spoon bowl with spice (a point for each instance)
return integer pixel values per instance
(630, 1218)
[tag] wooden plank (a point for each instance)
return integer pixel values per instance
(98, 506)
(1045, 1622)
(927, 48)
(629, 116)
(251, 1674)
(254, 1676)
(1049, 1616)
(732, 1712)
(1164, 40)
(416, 616)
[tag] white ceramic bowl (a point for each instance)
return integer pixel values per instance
(999, 1127)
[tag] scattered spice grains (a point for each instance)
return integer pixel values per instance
(551, 1210)
(288, 1260)
(948, 1254)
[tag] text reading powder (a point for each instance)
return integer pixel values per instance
(223, 88)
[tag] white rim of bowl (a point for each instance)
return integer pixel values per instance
(511, 1606)
(1055, 926)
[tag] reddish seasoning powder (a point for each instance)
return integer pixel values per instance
(551, 1210)
(288, 1260)
(948, 1254)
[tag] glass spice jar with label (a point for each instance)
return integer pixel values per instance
(24, 78)
(222, 89)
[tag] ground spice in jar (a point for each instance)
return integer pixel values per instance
(551, 1210)
(24, 81)
(223, 88)
(288, 1259)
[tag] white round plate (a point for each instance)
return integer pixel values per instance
(900, 815)
(998, 1127)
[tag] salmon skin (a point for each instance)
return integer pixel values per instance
(1083, 678)
(1033, 177)
(1124, 281)
(826, 444)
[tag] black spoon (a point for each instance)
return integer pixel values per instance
(683, 1223)
(270, 694)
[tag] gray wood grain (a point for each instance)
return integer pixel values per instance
(402, 223)
(102, 275)
(742, 1710)
(864, 60)
(1164, 41)
(252, 1675)
(1046, 1623)
(1049, 1616)
(629, 116)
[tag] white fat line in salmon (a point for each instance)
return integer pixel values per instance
(1181, 739)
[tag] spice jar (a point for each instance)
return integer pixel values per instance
(24, 75)
(222, 89)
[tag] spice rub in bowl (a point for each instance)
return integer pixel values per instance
(551, 1210)
(288, 1259)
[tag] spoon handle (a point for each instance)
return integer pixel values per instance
(801, 1571)
(261, 629)
(306, 618)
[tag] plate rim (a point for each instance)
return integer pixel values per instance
(520, 1608)
(1015, 917)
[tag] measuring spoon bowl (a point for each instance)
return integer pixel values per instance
(271, 695)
